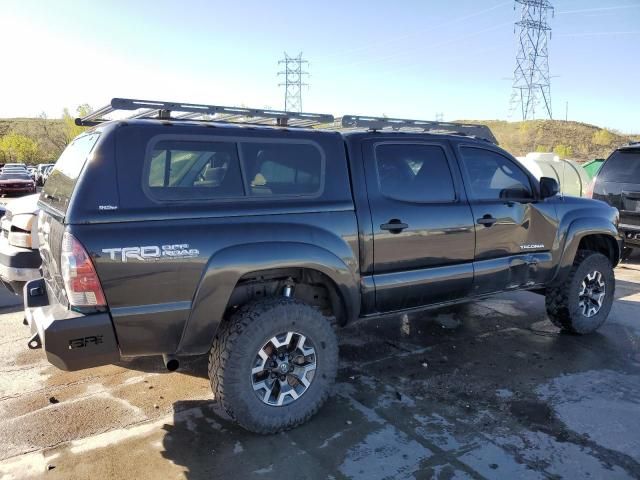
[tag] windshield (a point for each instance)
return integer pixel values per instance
(622, 167)
(59, 186)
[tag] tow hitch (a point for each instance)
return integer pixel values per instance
(34, 342)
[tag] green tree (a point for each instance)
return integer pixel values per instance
(15, 148)
(542, 149)
(603, 137)
(563, 151)
(71, 130)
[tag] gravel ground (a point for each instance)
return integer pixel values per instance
(486, 390)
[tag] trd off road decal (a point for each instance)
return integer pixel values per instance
(151, 252)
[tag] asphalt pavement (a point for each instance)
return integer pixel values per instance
(487, 390)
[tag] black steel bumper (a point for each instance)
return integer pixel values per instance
(71, 340)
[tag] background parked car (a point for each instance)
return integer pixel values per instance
(47, 172)
(14, 182)
(40, 169)
(618, 184)
(19, 254)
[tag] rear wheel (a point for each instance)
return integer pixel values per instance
(272, 364)
(582, 303)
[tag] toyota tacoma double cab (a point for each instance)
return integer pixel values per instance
(253, 235)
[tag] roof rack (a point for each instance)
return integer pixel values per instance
(401, 124)
(192, 111)
(255, 116)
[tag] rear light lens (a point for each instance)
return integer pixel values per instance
(80, 278)
(589, 190)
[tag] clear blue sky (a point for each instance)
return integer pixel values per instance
(402, 58)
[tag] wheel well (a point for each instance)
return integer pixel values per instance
(602, 244)
(310, 286)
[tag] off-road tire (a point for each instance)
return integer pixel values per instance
(562, 300)
(233, 352)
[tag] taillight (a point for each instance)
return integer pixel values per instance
(80, 279)
(589, 190)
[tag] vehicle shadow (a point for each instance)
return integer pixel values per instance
(474, 376)
(207, 445)
(11, 309)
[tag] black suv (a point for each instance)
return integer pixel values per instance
(618, 184)
(167, 235)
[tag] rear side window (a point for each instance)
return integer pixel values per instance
(60, 184)
(414, 173)
(622, 167)
(183, 170)
(282, 168)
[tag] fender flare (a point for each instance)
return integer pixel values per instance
(577, 230)
(228, 265)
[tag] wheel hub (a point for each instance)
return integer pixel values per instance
(283, 369)
(592, 294)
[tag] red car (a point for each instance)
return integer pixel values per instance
(16, 184)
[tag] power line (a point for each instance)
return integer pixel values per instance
(293, 74)
(531, 81)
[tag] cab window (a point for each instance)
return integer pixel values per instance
(492, 176)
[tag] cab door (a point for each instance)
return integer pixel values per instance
(422, 225)
(515, 230)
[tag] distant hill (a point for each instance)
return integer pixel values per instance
(49, 135)
(575, 140)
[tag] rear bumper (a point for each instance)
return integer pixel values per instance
(71, 340)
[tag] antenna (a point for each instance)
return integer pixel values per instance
(293, 73)
(531, 81)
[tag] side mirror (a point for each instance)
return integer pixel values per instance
(548, 187)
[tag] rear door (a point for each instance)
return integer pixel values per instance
(422, 225)
(514, 231)
(618, 184)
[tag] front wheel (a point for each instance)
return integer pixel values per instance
(583, 302)
(273, 363)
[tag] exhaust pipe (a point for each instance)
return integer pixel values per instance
(171, 362)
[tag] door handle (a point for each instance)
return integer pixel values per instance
(394, 226)
(487, 220)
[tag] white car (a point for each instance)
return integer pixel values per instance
(19, 255)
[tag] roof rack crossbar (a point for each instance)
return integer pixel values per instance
(161, 109)
(254, 116)
(382, 123)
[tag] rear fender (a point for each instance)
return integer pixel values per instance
(227, 266)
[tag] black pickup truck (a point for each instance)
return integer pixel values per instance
(169, 235)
